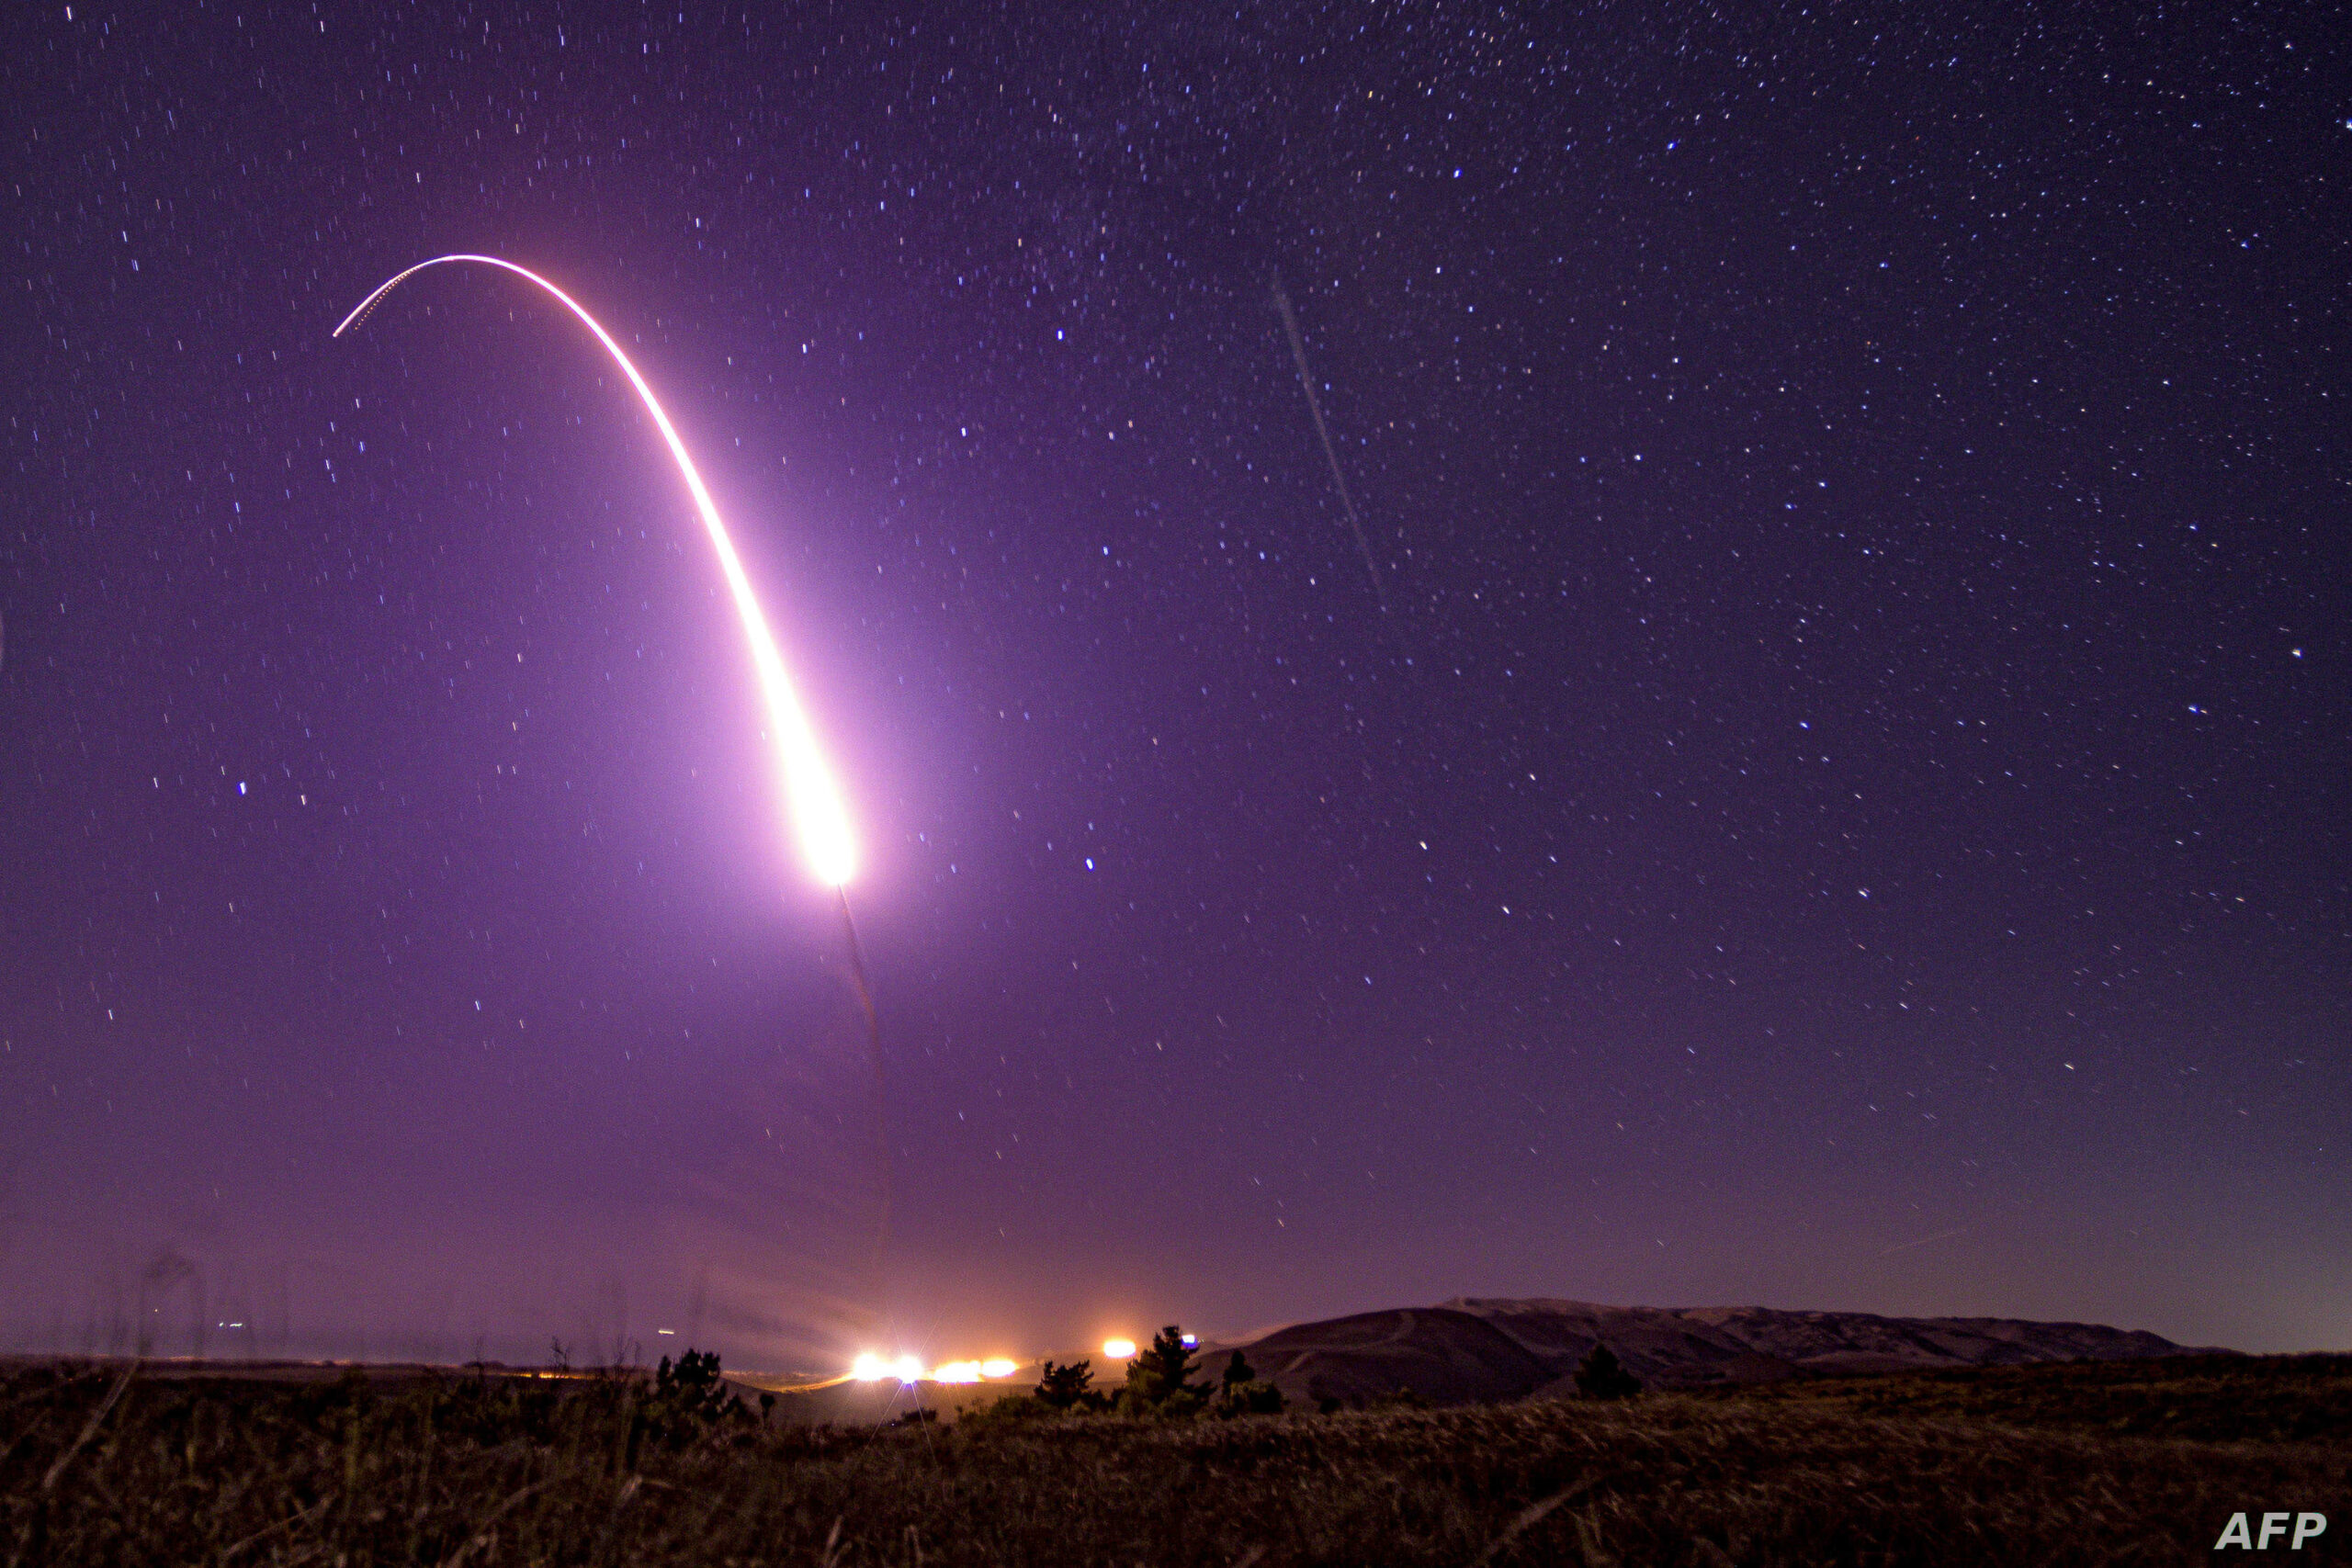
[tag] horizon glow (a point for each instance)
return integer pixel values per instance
(819, 819)
(872, 1368)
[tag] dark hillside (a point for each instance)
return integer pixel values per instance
(1473, 1349)
(1441, 1357)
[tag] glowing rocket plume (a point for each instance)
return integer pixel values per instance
(819, 820)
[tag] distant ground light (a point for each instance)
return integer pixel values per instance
(872, 1368)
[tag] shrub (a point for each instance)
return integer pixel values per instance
(1602, 1376)
(1241, 1392)
(689, 1400)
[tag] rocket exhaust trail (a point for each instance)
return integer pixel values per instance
(1331, 456)
(819, 820)
(881, 1087)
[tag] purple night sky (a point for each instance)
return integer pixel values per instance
(1845, 808)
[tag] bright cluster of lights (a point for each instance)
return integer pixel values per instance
(870, 1367)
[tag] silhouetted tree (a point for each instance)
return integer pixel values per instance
(1065, 1387)
(1602, 1376)
(694, 1381)
(1163, 1374)
(1240, 1392)
(689, 1398)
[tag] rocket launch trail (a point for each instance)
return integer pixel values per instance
(820, 821)
(819, 818)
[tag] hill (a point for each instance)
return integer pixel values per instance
(1474, 1350)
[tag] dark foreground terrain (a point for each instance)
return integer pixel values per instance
(2141, 1461)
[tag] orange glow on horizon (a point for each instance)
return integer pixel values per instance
(872, 1368)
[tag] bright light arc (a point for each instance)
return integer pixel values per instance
(820, 821)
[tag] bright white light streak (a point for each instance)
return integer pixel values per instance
(997, 1368)
(819, 818)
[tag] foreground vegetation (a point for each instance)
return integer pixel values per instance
(2043, 1465)
(2211, 1399)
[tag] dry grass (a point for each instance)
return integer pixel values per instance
(2211, 1399)
(480, 1472)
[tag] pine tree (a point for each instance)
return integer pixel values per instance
(1065, 1387)
(1163, 1373)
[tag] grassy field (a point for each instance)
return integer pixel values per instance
(2137, 1461)
(2208, 1399)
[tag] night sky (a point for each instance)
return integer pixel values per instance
(1845, 806)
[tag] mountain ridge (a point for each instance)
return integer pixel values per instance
(1472, 1349)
